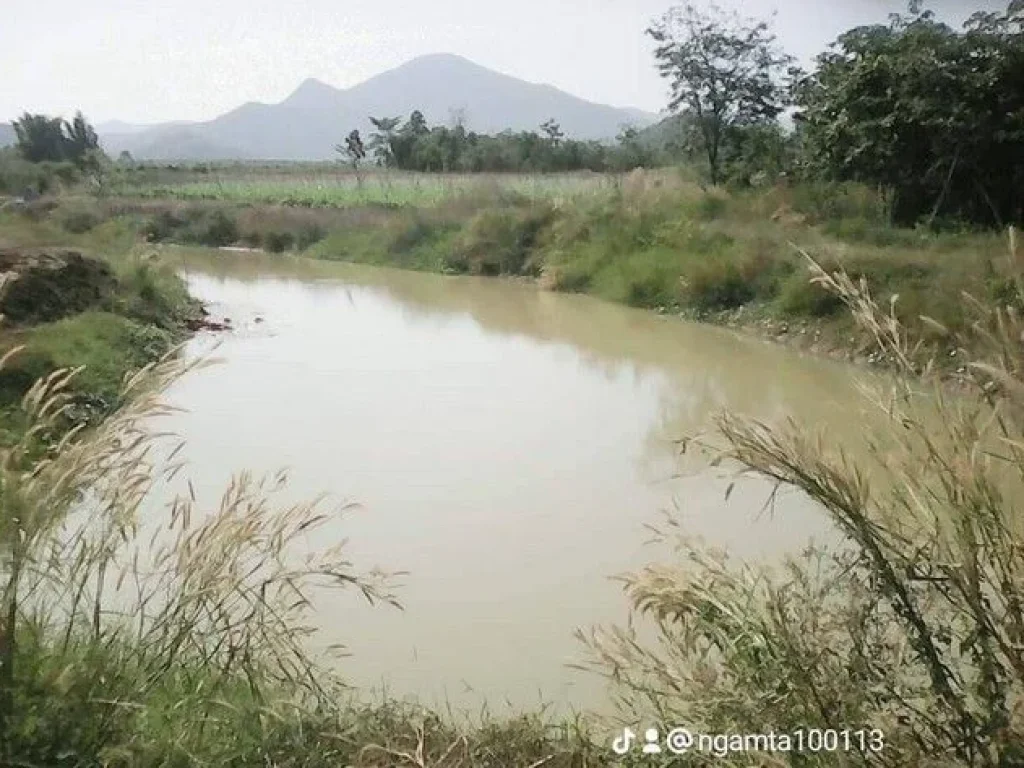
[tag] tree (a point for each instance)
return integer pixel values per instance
(52, 139)
(354, 152)
(724, 70)
(382, 142)
(553, 131)
(40, 138)
(933, 114)
(631, 150)
(416, 125)
(81, 141)
(403, 145)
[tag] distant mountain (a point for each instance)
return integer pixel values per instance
(180, 143)
(7, 135)
(121, 127)
(315, 117)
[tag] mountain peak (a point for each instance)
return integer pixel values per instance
(440, 58)
(443, 86)
(311, 92)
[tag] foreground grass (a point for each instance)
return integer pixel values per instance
(178, 640)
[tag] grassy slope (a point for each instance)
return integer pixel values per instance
(650, 240)
(735, 259)
(141, 320)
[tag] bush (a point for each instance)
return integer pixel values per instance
(716, 284)
(711, 207)
(197, 226)
(802, 298)
(80, 221)
(278, 242)
(309, 234)
(51, 286)
(825, 201)
(252, 239)
(162, 227)
(500, 241)
(217, 230)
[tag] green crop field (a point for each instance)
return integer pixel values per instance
(332, 188)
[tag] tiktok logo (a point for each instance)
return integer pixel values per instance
(624, 743)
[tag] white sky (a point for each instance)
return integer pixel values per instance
(153, 60)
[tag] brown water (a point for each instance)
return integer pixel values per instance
(507, 447)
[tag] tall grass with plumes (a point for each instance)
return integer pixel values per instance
(133, 640)
(914, 624)
(123, 646)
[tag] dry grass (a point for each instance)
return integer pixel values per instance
(207, 604)
(137, 641)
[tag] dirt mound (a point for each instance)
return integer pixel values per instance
(37, 286)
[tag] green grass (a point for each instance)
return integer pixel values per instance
(111, 312)
(652, 240)
(105, 344)
(338, 189)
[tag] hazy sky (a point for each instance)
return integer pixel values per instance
(154, 60)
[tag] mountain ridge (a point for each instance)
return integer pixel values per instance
(313, 118)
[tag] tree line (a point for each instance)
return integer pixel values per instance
(414, 145)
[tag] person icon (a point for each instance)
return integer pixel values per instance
(652, 747)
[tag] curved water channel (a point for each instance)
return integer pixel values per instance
(506, 445)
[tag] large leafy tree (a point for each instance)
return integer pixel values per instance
(42, 138)
(932, 113)
(727, 72)
(81, 140)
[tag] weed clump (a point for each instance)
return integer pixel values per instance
(500, 241)
(196, 226)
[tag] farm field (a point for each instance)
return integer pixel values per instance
(327, 186)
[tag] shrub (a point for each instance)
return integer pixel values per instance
(716, 284)
(217, 230)
(252, 239)
(79, 221)
(711, 207)
(278, 242)
(51, 286)
(501, 240)
(802, 297)
(309, 234)
(162, 227)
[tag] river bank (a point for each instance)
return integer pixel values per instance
(736, 259)
(68, 304)
(82, 691)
